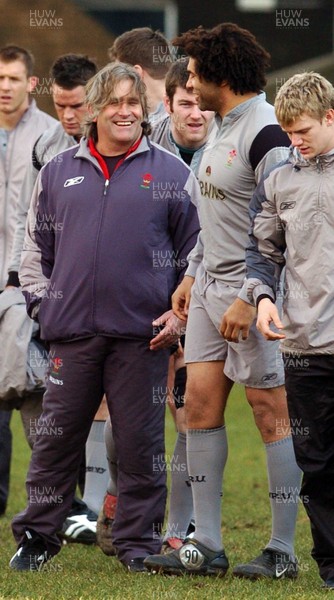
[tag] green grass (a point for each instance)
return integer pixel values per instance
(84, 572)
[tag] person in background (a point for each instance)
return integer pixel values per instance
(151, 54)
(21, 123)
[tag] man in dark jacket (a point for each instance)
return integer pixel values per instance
(110, 227)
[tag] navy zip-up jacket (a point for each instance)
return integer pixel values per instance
(103, 256)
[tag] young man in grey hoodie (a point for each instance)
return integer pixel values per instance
(292, 226)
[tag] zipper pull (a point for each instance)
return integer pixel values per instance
(106, 185)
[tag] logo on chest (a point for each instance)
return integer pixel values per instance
(147, 178)
(231, 157)
(73, 181)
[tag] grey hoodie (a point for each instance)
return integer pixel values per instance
(52, 141)
(12, 171)
(292, 214)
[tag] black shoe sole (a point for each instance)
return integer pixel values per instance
(207, 572)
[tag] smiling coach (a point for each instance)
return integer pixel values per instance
(99, 324)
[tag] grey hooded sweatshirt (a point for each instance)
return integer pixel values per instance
(292, 214)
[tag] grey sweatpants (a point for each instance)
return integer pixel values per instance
(81, 372)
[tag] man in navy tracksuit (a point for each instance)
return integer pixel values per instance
(110, 225)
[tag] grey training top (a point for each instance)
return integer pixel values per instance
(161, 134)
(248, 142)
(52, 141)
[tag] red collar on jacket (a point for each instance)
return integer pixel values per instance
(94, 152)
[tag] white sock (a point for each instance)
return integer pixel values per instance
(97, 474)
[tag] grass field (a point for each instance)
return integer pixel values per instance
(84, 572)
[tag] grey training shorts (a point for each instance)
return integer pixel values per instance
(254, 362)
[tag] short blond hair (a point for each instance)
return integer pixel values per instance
(307, 93)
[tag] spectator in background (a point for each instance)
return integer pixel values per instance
(21, 123)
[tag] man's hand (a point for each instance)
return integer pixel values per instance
(181, 298)
(237, 320)
(170, 333)
(267, 313)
